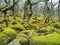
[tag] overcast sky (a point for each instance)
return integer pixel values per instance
(53, 1)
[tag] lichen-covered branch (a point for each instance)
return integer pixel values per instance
(4, 9)
(36, 2)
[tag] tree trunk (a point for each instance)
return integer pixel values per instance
(5, 20)
(59, 9)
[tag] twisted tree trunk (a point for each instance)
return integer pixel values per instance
(5, 20)
(28, 12)
(59, 9)
(4, 9)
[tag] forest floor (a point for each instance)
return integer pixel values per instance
(38, 33)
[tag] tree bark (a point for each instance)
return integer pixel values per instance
(59, 9)
(5, 20)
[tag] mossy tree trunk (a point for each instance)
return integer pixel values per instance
(5, 14)
(59, 9)
(28, 12)
(5, 20)
(47, 10)
(4, 9)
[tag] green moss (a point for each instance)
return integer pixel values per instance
(29, 32)
(2, 39)
(1, 29)
(26, 32)
(2, 25)
(7, 36)
(14, 23)
(57, 25)
(51, 29)
(25, 36)
(43, 30)
(9, 31)
(23, 41)
(1, 22)
(58, 31)
(18, 27)
(46, 30)
(22, 38)
(19, 20)
(51, 39)
(21, 35)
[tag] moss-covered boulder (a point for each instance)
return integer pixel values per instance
(51, 29)
(23, 41)
(18, 27)
(58, 31)
(46, 30)
(29, 32)
(1, 29)
(2, 39)
(25, 36)
(2, 25)
(42, 30)
(57, 25)
(50, 39)
(13, 23)
(7, 36)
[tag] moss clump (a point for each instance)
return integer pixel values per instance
(51, 39)
(57, 25)
(18, 27)
(1, 29)
(46, 30)
(23, 41)
(2, 25)
(26, 32)
(2, 39)
(42, 31)
(1, 22)
(22, 38)
(18, 20)
(51, 29)
(14, 23)
(58, 31)
(29, 32)
(9, 32)
(7, 36)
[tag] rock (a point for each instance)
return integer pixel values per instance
(14, 42)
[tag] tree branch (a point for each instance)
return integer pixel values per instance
(35, 2)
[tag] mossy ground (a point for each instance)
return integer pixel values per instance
(39, 32)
